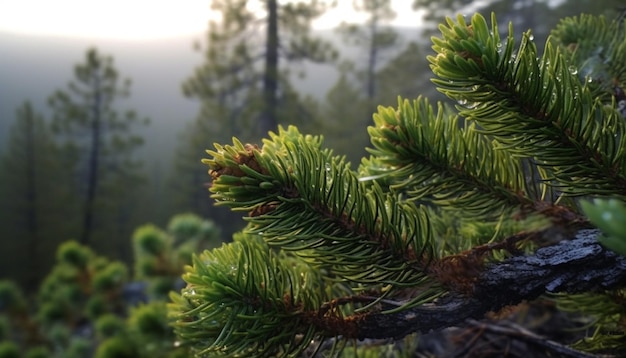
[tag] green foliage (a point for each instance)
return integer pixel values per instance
(441, 195)
(73, 254)
(568, 132)
(9, 350)
(404, 348)
(35, 209)
(109, 325)
(116, 347)
(81, 287)
(354, 223)
(38, 352)
(160, 255)
(4, 327)
(609, 215)
(85, 293)
(145, 333)
(11, 298)
(78, 348)
(602, 315)
(149, 240)
(148, 325)
(230, 307)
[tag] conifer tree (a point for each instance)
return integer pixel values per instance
(393, 80)
(100, 141)
(443, 223)
(339, 120)
(375, 38)
(244, 76)
(243, 84)
(31, 216)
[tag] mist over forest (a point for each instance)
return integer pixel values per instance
(37, 65)
(33, 67)
(454, 159)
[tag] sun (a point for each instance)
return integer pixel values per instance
(116, 19)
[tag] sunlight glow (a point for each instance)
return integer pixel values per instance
(147, 19)
(117, 19)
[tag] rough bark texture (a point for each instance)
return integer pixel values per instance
(572, 266)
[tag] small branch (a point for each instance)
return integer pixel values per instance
(572, 266)
(520, 333)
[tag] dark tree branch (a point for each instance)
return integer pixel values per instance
(572, 266)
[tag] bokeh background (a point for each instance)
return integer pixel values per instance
(198, 72)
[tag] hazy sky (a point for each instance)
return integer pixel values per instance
(140, 19)
(130, 19)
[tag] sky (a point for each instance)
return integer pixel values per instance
(113, 19)
(137, 19)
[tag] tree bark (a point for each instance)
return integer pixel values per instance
(94, 161)
(270, 76)
(577, 265)
(32, 197)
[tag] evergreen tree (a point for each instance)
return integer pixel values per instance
(404, 76)
(33, 200)
(443, 223)
(539, 15)
(99, 145)
(358, 82)
(338, 119)
(244, 82)
(375, 39)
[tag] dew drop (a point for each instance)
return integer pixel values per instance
(573, 70)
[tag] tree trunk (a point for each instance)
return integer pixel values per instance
(371, 63)
(93, 164)
(268, 120)
(31, 191)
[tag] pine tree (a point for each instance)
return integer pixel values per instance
(404, 76)
(100, 142)
(337, 120)
(244, 82)
(358, 82)
(443, 223)
(32, 218)
(375, 38)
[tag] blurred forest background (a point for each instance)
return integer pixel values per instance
(98, 137)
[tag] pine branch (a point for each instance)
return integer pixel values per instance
(580, 264)
(425, 154)
(361, 258)
(597, 47)
(302, 198)
(536, 107)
